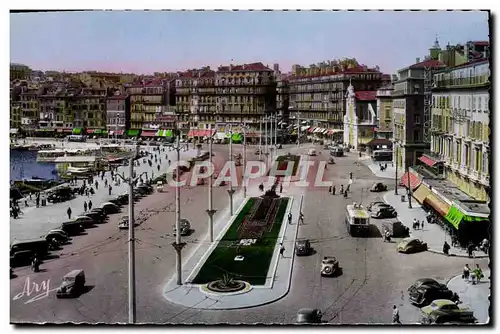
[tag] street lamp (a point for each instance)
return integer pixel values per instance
(260, 139)
(396, 162)
(131, 242)
(210, 211)
(244, 125)
(178, 245)
(229, 129)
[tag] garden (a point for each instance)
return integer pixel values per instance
(246, 250)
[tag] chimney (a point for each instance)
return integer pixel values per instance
(417, 60)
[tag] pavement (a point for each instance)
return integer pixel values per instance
(475, 296)
(432, 234)
(30, 226)
(374, 167)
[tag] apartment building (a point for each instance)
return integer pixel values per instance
(460, 126)
(282, 99)
(15, 109)
(147, 101)
(117, 114)
(317, 93)
(385, 114)
(19, 72)
(408, 109)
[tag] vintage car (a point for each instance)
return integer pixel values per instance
(378, 187)
(146, 188)
(72, 228)
(426, 290)
(376, 204)
(309, 316)
(57, 235)
(97, 217)
(442, 311)
(312, 152)
(185, 227)
(329, 266)
(85, 221)
(159, 186)
(110, 208)
(303, 247)
(383, 212)
(123, 223)
(411, 245)
(72, 285)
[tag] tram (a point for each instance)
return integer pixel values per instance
(357, 220)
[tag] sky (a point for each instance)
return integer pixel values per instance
(147, 42)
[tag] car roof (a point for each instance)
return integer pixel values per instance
(74, 273)
(441, 302)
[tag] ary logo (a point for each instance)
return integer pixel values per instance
(41, 290)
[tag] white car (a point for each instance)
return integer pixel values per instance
(312, 152)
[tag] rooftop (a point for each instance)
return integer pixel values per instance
(433, 63)
(470, 63)
(244, 68)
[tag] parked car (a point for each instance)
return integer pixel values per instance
(73, 284)
(426, 290)
(123, 199)
(39, 246)
(123, 223)
(185, 227)
(21, 258)
(375, 204)
(303, 247)
(85, 221)
(378, 187)
(72, 228)
(442, 311)
(110, 208)
(411, 245)
(99, 211)
(145, 187)
(58, 235)
(384, 212)
(98, 218)
(309, 316)
(329, 266)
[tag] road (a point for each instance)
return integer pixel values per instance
(374, 275)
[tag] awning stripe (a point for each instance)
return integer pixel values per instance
(440, 206)
(414, 180)
(421, 193)
(428, 161)
(454, 216)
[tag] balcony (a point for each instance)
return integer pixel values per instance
(476, 81)
(464, 170)
(475, 175)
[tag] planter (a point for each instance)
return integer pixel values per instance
(221, 287)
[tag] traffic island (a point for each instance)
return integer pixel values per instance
(245, 251)
(244, 258)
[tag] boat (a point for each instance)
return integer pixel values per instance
(78, 170)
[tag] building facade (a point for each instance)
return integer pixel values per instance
(408, 110)
(19, 72)
(317, 93)
(385, 114)
(147, 101)
(117, 114)
(360, 119)
(460, 126)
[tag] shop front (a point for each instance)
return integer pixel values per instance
(469, 226)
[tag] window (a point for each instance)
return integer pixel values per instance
(416, 119)
(416, 135)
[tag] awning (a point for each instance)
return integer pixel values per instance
(421, 193)
(304, 128)
(311, 129)
(67, 130)
(164, 133)
(428, 161)
(119, 132)
(440, 206)
(77, 131)
(91, 131)
(333, 131)
(318, 130)
(454, 216)
(14, 131)
(201, 133)
(148, 133)
(220, 135)
(44, 130)
(112, 132)
(414, 180)
(325, 131)
(133, 132)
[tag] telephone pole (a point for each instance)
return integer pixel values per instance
(230, 191)
(210, 211)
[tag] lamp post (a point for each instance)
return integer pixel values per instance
(260, 139)
(229, 129)
(244, 159)
(396, 162)
(276, 133)
(178, 245)
(409, 184)
(131, 242)
(210, 211)
(266, 150)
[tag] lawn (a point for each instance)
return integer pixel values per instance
(282, 163)
(257, 257)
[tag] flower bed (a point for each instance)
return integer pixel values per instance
(257, 254)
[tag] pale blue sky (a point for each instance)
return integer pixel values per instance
(168, 41)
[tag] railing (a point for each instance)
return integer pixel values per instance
(472, 81)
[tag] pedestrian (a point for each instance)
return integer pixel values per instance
(414, 223)
(446, 248)
(333, 190)
(158, 167)
(282, 250)
(341, 188)
(26, 203)
(30, 196)
(69, 213)
(169, 162)
(345, 194)
(422, 224)
(96, 185)
(395, 315)
(350, 175)
(86, 191)
(37, 201)
(105, 183)
(301, 218)
(466, 272)
(84, 206)
(470, 249)
(418, 224)
(90, 205)
(109, 189)
(289, 218)
(330, 189)
(281, 188)
(478, 272)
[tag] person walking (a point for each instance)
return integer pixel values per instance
(109, 189)
(301, 218)
(105, 183)
(289, 218)
(282, 250)
(84, 206)
(333, 190)
(395, 315)
(341, 188)
(69, 212)
(96, 185)
(281, 188)
(330, 190)
(422, 224)
(90, 205)
(466, 272)
(470, 250)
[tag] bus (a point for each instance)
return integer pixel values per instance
(357, 220)
(382, 155)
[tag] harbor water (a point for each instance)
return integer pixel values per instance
(23, 165)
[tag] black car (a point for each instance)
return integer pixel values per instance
(115, 201)
(425, 290)
(378, 187)
(384, 212)
(123, 199)
(98, 218)
(303, 247)
(145, 188)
